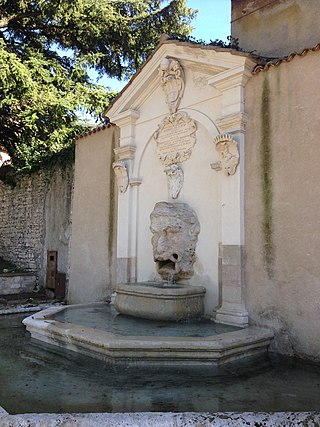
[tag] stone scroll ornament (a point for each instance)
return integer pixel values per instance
(121, 173)
(228, 154)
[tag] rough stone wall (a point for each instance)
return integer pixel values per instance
(282, 204)
(58, 212)
(34, 218)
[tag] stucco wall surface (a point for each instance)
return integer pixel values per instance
(92, 256)
(275, 28)
(34, 218)
(282, 204)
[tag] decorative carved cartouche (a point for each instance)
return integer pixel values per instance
(172, 82)
(175, 138)
(175, 228)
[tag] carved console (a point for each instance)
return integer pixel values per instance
(121, 172)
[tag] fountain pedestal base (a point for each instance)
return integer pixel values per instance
(158, 301)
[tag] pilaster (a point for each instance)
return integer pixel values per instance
(231, 84)
(126, 234)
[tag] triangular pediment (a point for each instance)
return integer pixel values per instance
(209, 62)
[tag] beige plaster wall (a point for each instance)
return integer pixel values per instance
(282, 220)
(275, 28)
(93, 241)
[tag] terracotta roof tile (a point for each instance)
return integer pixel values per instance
(95, 130)
(278, 61)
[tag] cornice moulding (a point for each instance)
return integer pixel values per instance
(233, 77)
(128, 117)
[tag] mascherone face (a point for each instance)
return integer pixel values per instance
(174, 235)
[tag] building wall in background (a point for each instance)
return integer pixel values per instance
(275, 28)
(282, 204)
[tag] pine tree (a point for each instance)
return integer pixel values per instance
(46, 49)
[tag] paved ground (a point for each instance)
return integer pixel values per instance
(25, 302)
(158, 419)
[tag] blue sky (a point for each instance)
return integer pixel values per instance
(213, 22)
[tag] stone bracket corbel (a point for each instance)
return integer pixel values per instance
(228, 153)
(124, 155)
(121, 172)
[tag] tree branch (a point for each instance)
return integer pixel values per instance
(4, 21)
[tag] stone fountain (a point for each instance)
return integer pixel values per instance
(180, 223)
(175, 229)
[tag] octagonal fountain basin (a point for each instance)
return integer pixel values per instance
(97, 330)
(160, 301)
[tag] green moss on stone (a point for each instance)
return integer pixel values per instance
(266, 172)
(112, 209)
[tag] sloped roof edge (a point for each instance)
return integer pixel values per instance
(95, 130)
(278, 61)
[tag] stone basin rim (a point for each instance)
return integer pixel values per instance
(153, 289)
(216, 349)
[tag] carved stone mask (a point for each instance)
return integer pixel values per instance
(175, 228)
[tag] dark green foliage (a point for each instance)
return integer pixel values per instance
(232, 42)
(9, 267)
(46, 48)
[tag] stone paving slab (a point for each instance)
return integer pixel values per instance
(13, 283)
(158, 419)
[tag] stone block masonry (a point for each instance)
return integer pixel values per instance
(35, 217)
(16, 283)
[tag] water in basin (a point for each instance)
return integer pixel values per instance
(105, 317)
(34, 379)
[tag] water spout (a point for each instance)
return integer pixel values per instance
(171, 279)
